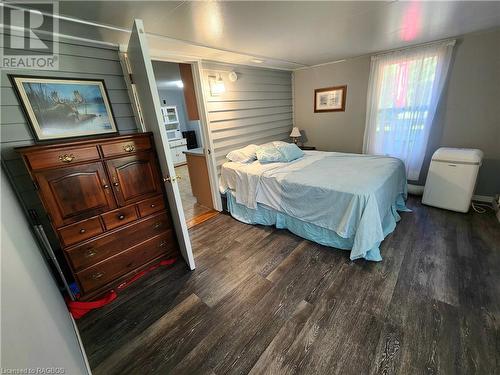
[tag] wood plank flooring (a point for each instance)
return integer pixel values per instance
(194, 212)
(263, 301)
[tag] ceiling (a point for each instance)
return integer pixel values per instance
(287, 34)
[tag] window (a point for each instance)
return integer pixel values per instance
(405, 87)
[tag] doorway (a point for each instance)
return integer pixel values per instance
(180, 115)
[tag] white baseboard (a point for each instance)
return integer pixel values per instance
(482, 198)
(415, 189)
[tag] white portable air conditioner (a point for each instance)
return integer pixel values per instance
(452, 178)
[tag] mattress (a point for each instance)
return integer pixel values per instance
(351, 195)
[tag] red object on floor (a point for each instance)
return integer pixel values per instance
(79, 309)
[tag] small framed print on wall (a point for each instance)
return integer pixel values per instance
(330, 99)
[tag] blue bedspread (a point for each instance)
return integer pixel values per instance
(342, 200)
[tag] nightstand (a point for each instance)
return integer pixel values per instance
(307, 148)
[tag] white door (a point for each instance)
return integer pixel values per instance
(144, 80)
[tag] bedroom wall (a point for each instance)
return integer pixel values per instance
(257, 108)
(37, 330)
(468, 115)
(333, 131)
(77, 60)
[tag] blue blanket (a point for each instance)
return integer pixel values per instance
(347, 196)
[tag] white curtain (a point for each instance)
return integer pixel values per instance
(403, 92)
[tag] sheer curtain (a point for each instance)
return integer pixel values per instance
(403, 92)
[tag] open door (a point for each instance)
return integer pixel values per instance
(144, 80)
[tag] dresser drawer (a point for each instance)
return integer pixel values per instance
(61, 157)
(109, 244)
(119, 217)
(126, 147)
(80, 231)
(124, 262)
(150, 206)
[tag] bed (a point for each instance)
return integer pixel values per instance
(346, 201)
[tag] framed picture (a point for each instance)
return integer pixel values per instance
(330, 99)
(64, 107)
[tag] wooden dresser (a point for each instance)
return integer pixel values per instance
(106, 202)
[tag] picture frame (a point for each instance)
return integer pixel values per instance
(330, 99)
(60, 108)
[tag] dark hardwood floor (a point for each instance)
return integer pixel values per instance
(265, 301)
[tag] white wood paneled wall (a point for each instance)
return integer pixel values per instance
(257, 108)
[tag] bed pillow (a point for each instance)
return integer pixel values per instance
(243, 155)
(290, 151)
(268, 153)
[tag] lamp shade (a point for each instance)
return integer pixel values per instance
(295, 132)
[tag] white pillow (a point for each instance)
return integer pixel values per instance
(243, 155)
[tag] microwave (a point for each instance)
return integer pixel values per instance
(174, 134)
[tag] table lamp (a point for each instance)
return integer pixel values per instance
(295, 134)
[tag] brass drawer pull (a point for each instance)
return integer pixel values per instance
(129, 148)
(121, 217)
(90, 253)
(157, 225)
(105, 186)
(152, 205)
(66, 158)
(97, 276)
(82, 231)
(115, 183)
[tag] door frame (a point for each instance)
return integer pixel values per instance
(200, 90)
(201, 101)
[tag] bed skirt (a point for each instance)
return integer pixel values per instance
(267, 216)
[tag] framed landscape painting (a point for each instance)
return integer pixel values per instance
(330, 99)
(64, 107)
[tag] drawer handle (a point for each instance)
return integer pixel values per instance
(82, 231)
(157, 225)
(121, 217)
(129, 148)
(90, 253)
(97, 276)
(66, 158)
(105, 186)
(152, 205)
(115, 183)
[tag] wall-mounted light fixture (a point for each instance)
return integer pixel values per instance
(216, 84)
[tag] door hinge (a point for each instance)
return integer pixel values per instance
(35, 184)
(131, 77)
(171, 179)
